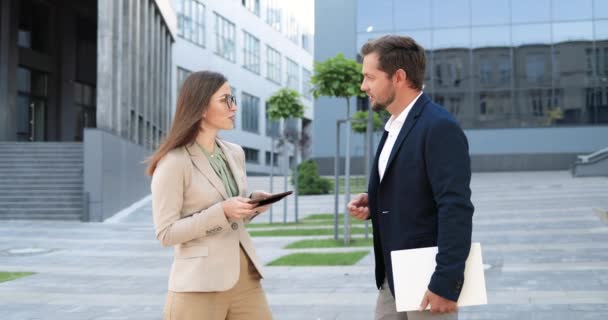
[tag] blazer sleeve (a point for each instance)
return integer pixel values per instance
(169, 181)
(449, 172)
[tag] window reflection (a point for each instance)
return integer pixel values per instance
(531, 34)
(526, 11)
(508, 63)
(377, 14)
(451, 38)
(600, 9)
(451, 13)
(485, 12)
(423, 38)
(571, 10)
(601, 30)
(491, 36)
(418, 14)
(572, 31)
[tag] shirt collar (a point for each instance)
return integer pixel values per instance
(402, 116)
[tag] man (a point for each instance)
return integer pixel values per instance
(418, 194)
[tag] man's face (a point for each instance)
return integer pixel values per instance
(376, 83)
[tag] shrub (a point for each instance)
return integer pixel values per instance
(309, 180)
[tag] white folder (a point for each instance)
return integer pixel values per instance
(412, 271)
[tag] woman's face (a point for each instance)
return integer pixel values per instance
(221, 111)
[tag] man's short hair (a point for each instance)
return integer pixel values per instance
(399, 52)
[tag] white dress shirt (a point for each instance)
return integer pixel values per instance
(393, 126)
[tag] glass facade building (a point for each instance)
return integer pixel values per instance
(505, 63)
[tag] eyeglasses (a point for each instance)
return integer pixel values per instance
(230, 101)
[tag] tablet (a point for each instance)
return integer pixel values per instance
(262, 201)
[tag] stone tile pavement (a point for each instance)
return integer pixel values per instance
(545, 247)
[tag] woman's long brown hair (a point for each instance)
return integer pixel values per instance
(192, 102)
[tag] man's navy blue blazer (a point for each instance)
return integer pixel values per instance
(424, 198)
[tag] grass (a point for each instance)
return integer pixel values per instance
(357, 184)
(320, 259)
(302, 232)
(8, 276)
(323, 219)
(328, 243)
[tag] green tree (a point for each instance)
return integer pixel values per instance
(341, 78)
(282, 105)
(360, 121)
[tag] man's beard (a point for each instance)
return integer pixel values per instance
(379, 106)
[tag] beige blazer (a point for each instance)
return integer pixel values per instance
(186, 196)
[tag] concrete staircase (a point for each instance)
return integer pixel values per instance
(592, 165)
(41, 180)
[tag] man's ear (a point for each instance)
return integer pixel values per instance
(400, 77)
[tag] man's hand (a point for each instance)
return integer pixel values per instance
(358, 207)
(438, 304)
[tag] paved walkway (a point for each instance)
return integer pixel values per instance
(547, 251)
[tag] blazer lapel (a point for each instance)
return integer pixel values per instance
(202, 164)
(374, 175)
(410, 121)
(237, 171)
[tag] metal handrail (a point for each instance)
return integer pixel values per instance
(588, 157)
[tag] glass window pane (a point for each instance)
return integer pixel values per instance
(572, 31)
(451, 38)
(533, 66)
(375, 15)
(494, 109)
(531, 34)
(600, 9)
(451, 13)
(490, 12)
(523, 11)
(491, 36)
(24, 80)
(423, 38)
(572, 10)
(364, 37)
(492, 68)
(418, 14)
(601, 30)
(451, 69)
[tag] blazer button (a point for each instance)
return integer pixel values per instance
(235, 226)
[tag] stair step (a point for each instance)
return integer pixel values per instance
(40, 206)
(38, 173)
(41, 180)
(39, 197)
(35, 160)
(35, 174)
(40, 215)
(48, 166)
(40, 188)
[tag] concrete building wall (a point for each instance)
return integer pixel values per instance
(134, 47)
(114, 175)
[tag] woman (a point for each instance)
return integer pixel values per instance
(199, 206)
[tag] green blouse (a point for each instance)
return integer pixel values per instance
(218, 162)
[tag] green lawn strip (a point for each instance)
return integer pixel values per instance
(302, 232)
(327, 217)
(320, 259)
(357, 184)
(8, 276)
(304, 222)
(328, 243)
